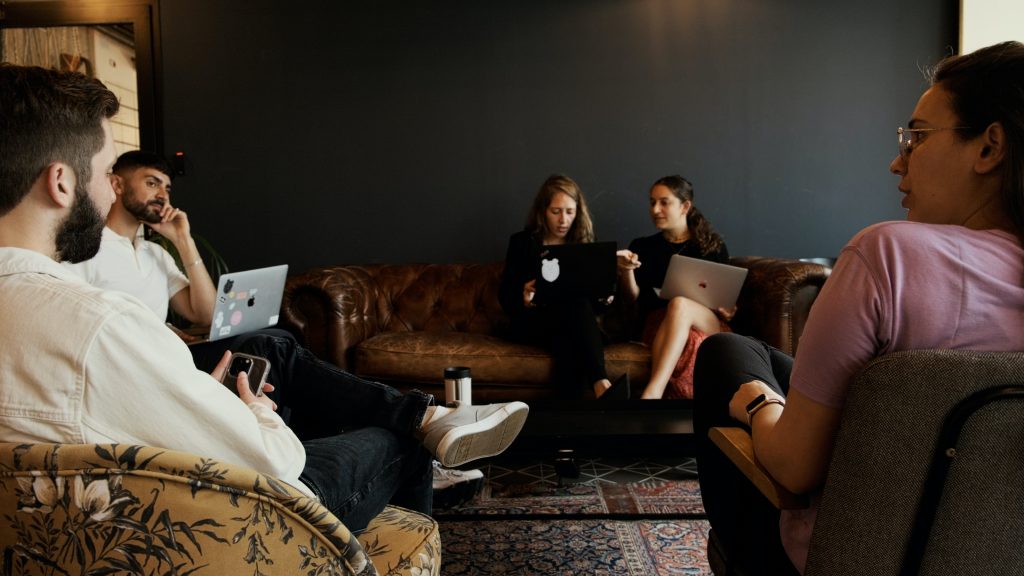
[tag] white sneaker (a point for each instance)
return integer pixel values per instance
(466, 433)
(453, 487)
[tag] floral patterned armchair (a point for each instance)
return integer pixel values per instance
(110, 508)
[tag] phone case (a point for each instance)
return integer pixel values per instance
(255, 366)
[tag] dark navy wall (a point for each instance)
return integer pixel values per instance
(385, 131)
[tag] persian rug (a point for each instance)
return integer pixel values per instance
(621, 516)
(644, 499)
(555, 546)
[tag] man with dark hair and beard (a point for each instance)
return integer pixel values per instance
(82, 365)
(128, 263)
(60, 180)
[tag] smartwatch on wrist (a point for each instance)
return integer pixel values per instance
(760, 402)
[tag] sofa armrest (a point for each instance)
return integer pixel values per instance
(331, 310)
(776, 299)
(133, 506)
(738, 447)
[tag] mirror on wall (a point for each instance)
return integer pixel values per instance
(115, 41)
(105, 52)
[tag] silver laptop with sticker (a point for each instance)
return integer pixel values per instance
(247, 301)
(712, 284)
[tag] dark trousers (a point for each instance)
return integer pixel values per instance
(358, 434)
(745, 523)
(568, 329)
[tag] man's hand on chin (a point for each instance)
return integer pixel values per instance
(173, 224)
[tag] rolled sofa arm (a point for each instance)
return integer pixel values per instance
(332, 309)
(776, 299)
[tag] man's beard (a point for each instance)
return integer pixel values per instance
(142, 211)
(79, 235)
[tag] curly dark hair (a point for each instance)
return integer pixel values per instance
(709, 241)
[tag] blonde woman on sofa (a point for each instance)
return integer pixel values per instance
(950, 277)
(673, 329)
(568, 328)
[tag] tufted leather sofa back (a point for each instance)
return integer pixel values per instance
(371, 299)
(438, 297)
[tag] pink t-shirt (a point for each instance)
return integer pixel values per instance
(904, 286)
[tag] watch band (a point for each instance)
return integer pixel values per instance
(757, 404)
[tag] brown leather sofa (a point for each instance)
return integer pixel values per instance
(404, 323)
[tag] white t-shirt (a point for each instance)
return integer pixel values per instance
(134, 266)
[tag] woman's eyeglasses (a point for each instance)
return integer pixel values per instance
(908, 137)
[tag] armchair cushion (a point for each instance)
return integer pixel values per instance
(96, 507)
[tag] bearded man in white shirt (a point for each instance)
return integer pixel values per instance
(127, 262)
(85, 365)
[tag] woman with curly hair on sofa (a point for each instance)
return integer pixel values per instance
(672, 328)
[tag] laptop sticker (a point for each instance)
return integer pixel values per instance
(549, 269)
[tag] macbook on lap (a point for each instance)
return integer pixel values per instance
(574, 270)
(247, 301)
(712, 284)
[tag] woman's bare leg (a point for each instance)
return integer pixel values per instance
(670, 339)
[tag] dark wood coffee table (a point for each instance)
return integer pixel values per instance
(639, 427)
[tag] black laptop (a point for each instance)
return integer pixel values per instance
(574, 270)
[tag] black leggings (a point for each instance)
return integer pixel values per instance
(745, 523)
(568, 329)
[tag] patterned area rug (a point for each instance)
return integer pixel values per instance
(609, 489)
(618, 516)
(648, 498)
(574, 547)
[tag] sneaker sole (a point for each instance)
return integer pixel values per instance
(488, 437)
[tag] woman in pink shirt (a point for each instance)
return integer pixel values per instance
(949, 277)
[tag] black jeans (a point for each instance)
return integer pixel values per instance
(358, 434)
(745, 523)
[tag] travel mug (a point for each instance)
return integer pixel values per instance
(458, 386)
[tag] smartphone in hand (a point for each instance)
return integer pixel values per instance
(255, 367)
